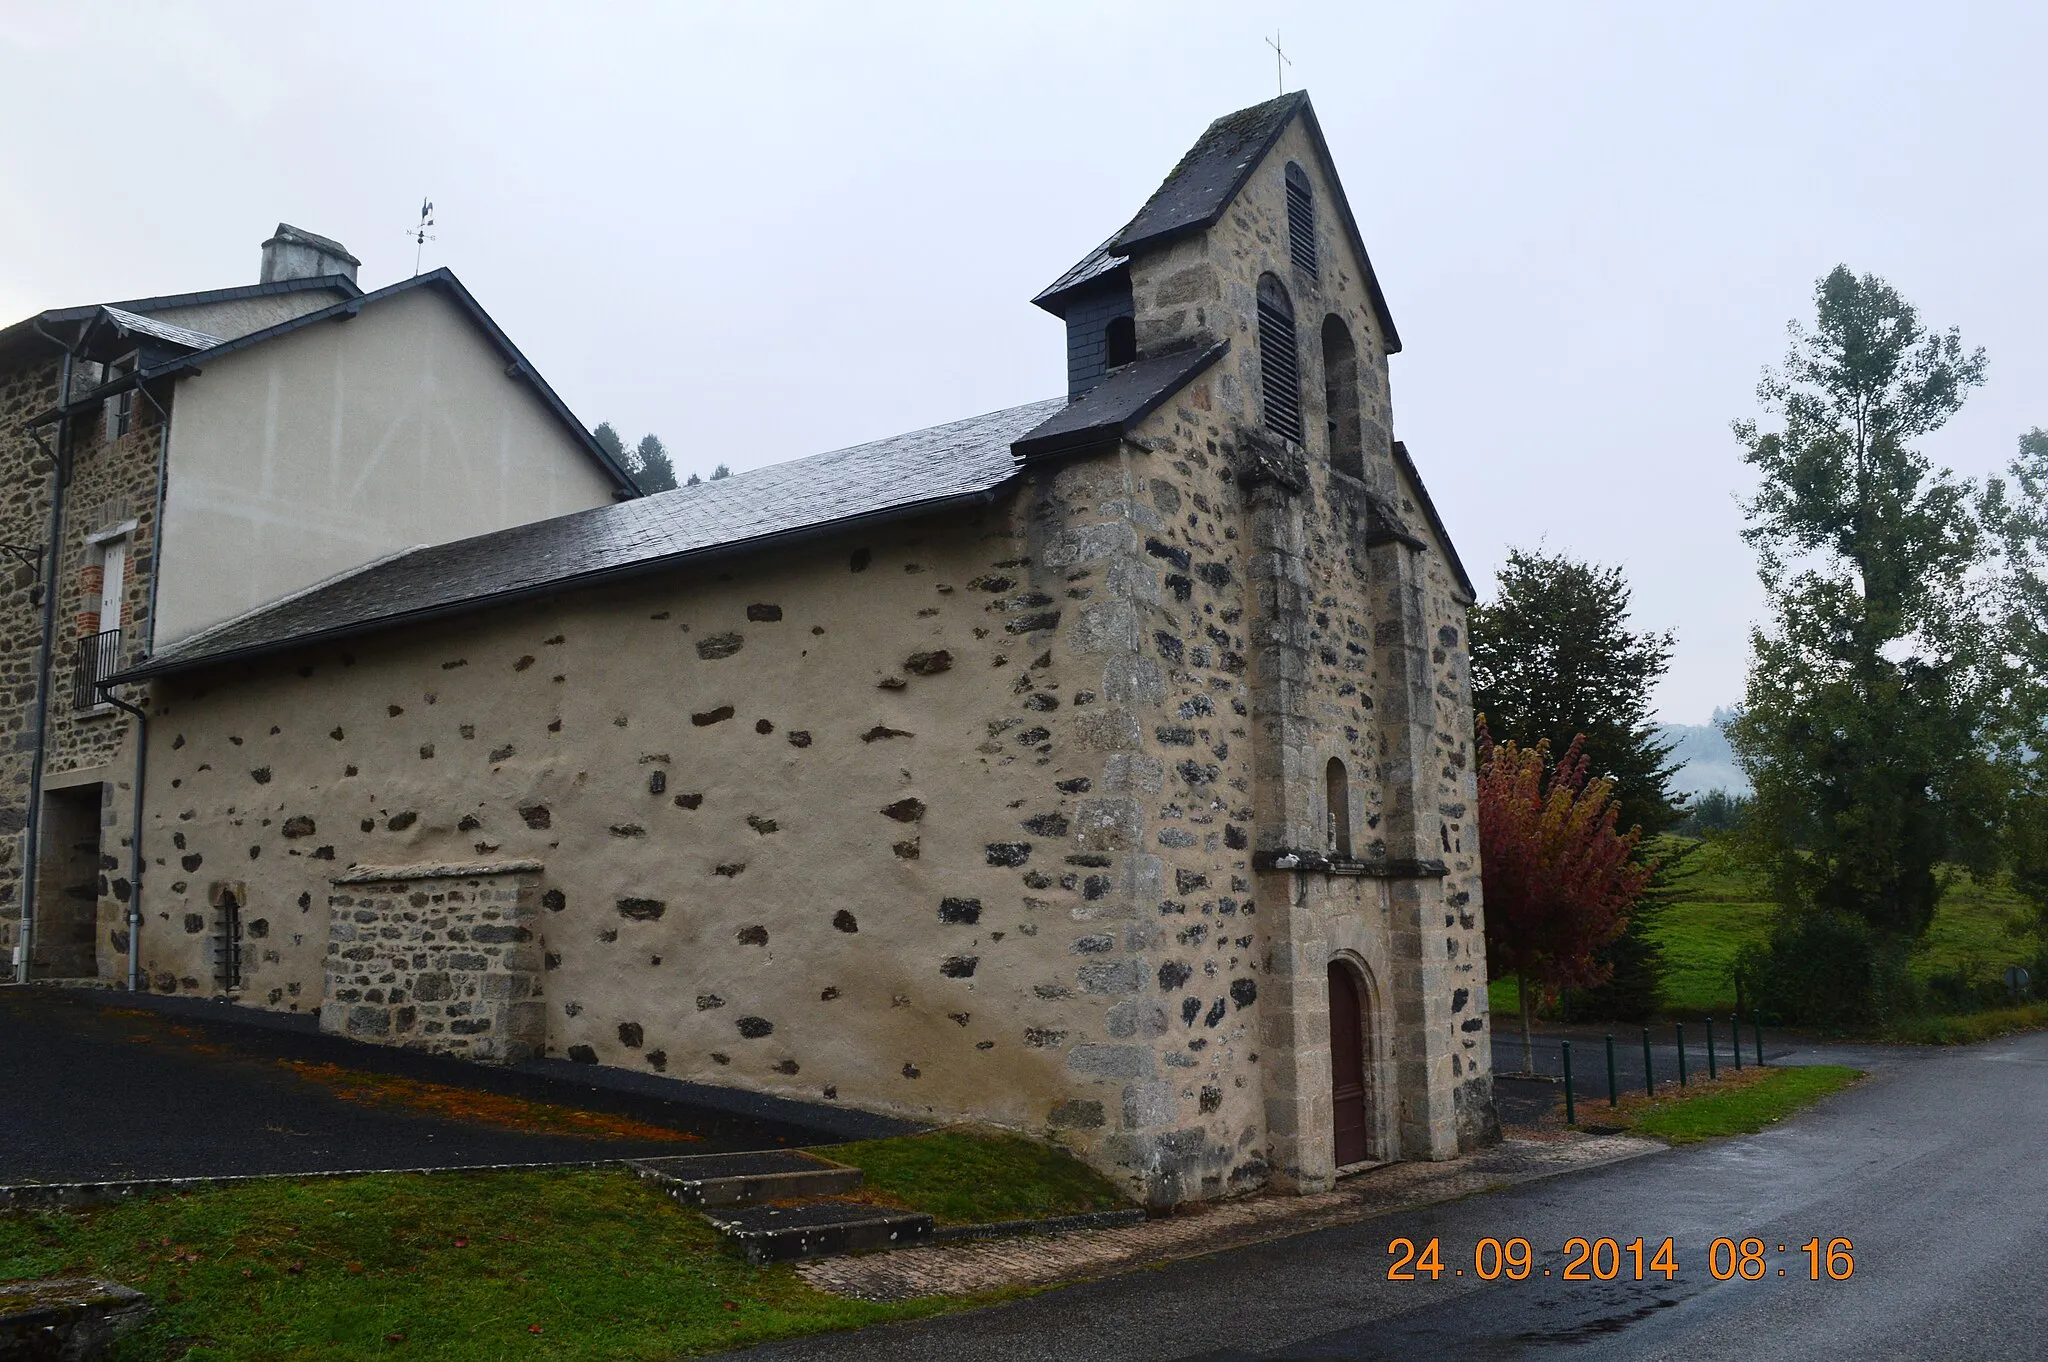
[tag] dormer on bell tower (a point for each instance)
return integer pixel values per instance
(1094, 299)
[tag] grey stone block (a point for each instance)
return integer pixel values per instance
(1149, 1105)
(1122, 976)
(1111, 1061)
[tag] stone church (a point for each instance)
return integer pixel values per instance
(1101, 767)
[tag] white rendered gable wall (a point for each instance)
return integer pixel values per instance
(331, 446)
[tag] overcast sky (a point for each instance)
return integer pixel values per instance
(766, 231)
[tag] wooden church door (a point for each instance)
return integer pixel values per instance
(1347, 1064)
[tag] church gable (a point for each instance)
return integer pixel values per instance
(1277, 270)
(1237, 150)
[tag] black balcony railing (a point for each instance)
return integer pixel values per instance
(99, 657)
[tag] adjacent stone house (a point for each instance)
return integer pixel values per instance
(1100, 767)
(171, 462)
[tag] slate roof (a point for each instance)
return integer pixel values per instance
(1406, 463)
(441, 280)
(1196, 191)
(1113, 407)
(1094, 265)
(25, 331)
(925, 470)
(136, 324)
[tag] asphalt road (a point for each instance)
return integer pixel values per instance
(1932, 1168)
(92, 1089)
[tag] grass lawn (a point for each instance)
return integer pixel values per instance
(962, 1177)
(1720, 906)
(1740, 1103)
(474, 1267)
(1717, 908)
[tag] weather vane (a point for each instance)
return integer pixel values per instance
(419, 234)
(1279, 58)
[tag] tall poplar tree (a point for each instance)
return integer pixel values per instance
(2016, 513)
(1873, 689)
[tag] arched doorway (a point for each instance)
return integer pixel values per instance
(1350, 1093)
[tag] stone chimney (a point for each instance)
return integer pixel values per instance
(297, 254)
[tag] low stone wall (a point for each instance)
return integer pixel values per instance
(437, 957)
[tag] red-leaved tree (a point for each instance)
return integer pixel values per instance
(1559, 878)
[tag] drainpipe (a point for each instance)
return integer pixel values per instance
(52, 583)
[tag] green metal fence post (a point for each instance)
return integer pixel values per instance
(1735, 1030)
(1649, 1076)
(1613, 1092)
(1756, 1021)
(1680, 1026)
(1711, 1075)
(1571, 1113)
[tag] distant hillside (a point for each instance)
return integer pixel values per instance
(1707, 761)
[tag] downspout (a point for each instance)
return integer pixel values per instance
(52, 583)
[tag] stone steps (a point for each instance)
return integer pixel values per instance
(762, 1204)
(703, 1181)
(818, 1229)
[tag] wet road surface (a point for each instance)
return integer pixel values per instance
(1931, 1168)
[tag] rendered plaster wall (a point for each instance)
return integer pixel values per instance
(913, 821)
(332, 446)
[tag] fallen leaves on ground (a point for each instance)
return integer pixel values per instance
(486, 1108)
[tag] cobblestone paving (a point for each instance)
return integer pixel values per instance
(1040, 1259)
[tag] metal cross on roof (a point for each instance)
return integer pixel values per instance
(1279, 58)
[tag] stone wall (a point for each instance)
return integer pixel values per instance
(1358, 655)
(440, 958)
(891, 821)
(112, 484)
(26, 390)
(112, 489)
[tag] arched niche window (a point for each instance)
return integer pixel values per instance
(1119, 342)
(1279, 361)
(1340, 398)
(1301, 218)
(1337, 803)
